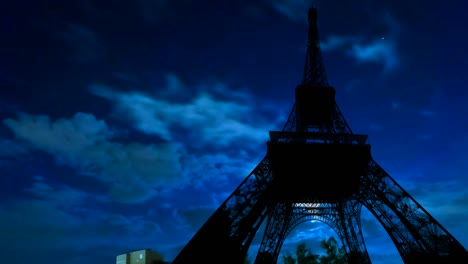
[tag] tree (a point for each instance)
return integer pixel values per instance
(334, 255)
(289, 259)
(304, 255)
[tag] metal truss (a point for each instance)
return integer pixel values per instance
(228, 233)
(314, 70)
(418, 237)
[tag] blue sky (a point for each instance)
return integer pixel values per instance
(124, 125)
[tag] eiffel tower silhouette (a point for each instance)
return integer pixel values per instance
(316, 168)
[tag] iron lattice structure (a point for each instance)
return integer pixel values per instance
(317, 145)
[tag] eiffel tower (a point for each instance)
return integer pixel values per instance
(316, 168)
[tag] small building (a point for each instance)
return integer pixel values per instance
(144, 256)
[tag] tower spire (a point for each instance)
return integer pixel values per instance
(314, 69)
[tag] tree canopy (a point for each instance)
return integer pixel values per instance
(304, 255)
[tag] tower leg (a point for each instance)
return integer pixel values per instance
(348, 227)
(418, 237)
(275, 233)
(228, 233)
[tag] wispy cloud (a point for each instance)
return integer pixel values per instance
(334, 42)
(292, 9)
(363, 48)
(209, 125)
(377, 51)
(133, 170)
(199, 139)
(370, 49)
(205, 118)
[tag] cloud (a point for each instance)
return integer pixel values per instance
(334, 42)
(83, 42)
(448, 199)
(195, 217)
(292, 9)
(219, 167)
(60, 197)
(380, 50)
(311, 232)
(49, 227)
(216, 117)
(205, 131)
(445, 200)
(134, 171)
(377, 51)
(315, 230)
(220, 129)
(10, 148)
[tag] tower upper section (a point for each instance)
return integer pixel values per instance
(315, 98)
(314, 70)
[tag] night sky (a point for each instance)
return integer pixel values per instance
(125, 124)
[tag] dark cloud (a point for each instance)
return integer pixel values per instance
(155, 11)
(197, 216)
(59, 219)
(11, 148)
(133, 170)
(84, 44)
